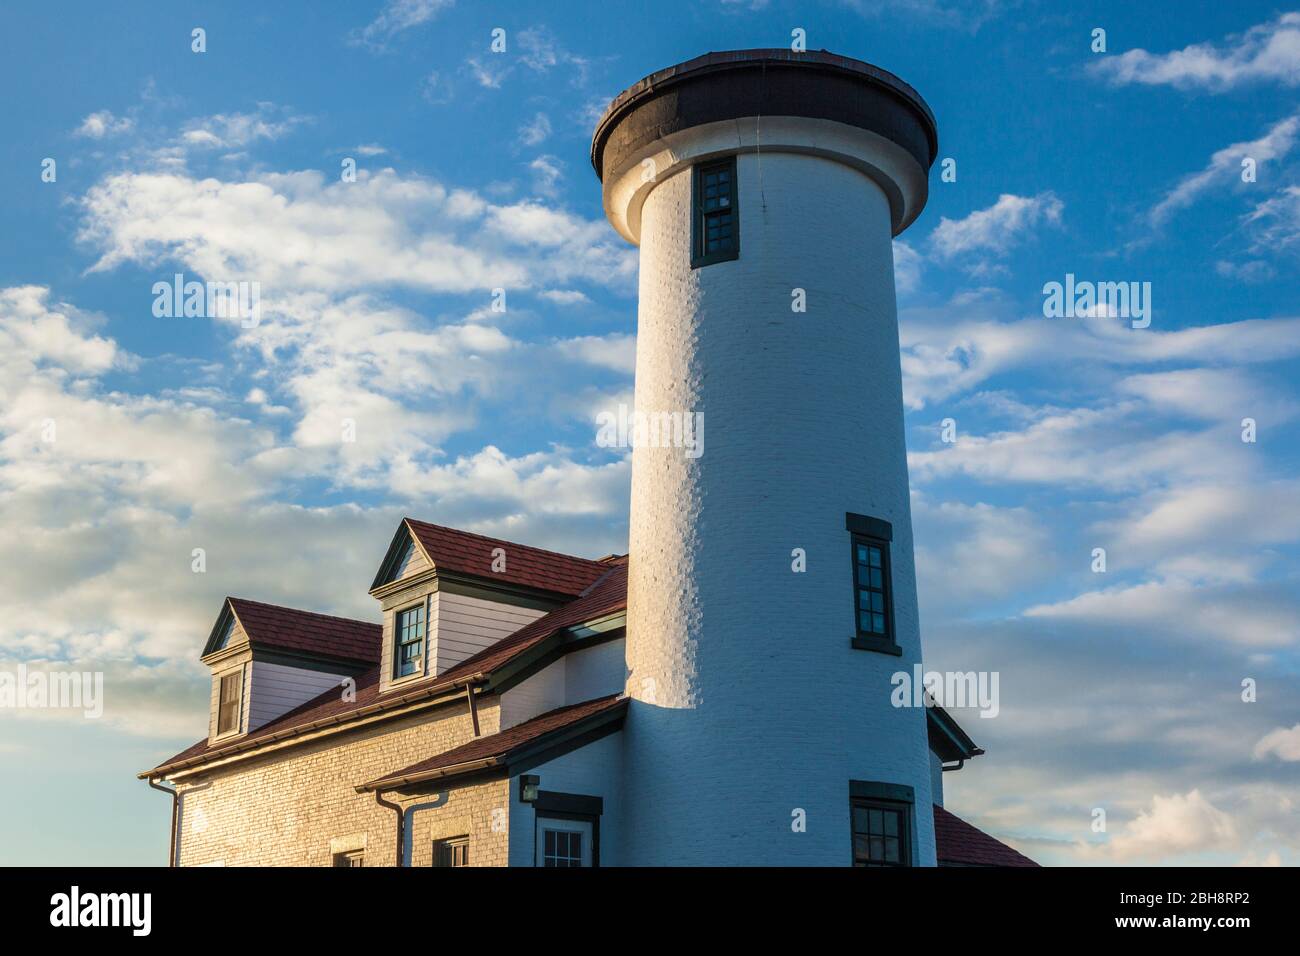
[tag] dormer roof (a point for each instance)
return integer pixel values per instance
(297, 632)
(465, 554)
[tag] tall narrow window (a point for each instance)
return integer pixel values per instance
(409, 651)
(873, 603)
(716, 225)
(228, 702)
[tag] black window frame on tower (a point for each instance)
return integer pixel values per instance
(887, 801)
(702, 214)
(873, 534)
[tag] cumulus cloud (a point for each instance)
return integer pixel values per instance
(1282, 743)
(300, 231)
(1173, 825)
(1268, 52)
(988, 234)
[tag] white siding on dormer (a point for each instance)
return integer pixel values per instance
(276, 689)
(413, 562)
(464, 625)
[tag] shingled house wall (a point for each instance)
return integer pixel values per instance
(297, 806)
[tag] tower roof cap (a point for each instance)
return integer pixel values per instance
(764, 82)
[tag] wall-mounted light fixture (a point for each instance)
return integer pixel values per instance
(529, 785)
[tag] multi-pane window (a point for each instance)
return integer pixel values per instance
(451, 852)
(228, 702)
(871, 583)
(409, 656)
(880, 830)
(562, 848)
(351, 858)
(716, 226)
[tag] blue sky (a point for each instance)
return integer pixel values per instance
(1119, 691)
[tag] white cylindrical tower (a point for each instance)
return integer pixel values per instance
(764, 188)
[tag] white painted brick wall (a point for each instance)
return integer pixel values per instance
(749, 701)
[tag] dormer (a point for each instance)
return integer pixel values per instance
(447, 594)
(266, 660)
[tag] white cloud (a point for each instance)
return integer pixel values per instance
(535, 130)
(991, 233)
(616, 352)
(395, 17)
(1276, 222)
(547, 172)
(1264, 53)
(300, 231)
(1174, 825)
(1211, 613)
(489, 73)
(957, 346)
(907, 267)
(103, 123)
(1224, 169)
(1282, 743)
(971, 553)
(564, 296)
(235, 130)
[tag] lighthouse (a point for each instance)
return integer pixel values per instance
(771, 588)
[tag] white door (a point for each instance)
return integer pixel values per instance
(563, 842)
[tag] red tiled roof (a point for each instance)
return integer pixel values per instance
(466, 553)
(957, 842)
(499, 747)
(607, 596)
(290, 629)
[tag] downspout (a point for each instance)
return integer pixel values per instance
(379, 799)
(473, 708)
(171, 843)
(408, 831)
(405, 832)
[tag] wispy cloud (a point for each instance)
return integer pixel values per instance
(1224, 169)
(396, 17)
(236, 130)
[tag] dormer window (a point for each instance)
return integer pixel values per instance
(228, 704)
(409, 632)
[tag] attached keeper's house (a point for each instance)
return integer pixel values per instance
(481, 724)
(721, 694)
